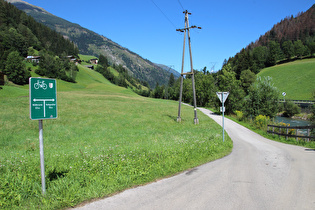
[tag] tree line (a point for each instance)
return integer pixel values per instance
(20, 35)
(249, 96)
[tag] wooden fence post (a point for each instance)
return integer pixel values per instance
(273, 130)
(308, 134)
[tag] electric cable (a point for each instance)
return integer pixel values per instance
(181, 4)
(163, 13)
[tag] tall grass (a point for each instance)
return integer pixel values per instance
(104, 140)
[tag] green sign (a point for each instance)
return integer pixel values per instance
(43, 98)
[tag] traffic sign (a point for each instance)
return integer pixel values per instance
(284, 94)
(222, 96)
(43, 98)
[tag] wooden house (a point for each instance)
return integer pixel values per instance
(94, 61)
(33, 58)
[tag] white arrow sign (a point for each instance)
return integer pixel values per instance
(222, 96)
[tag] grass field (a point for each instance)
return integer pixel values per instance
(105, 139)
(296, 78)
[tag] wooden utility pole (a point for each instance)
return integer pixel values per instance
(186, 29)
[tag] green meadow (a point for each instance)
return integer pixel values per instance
(295, 78)
(105, 139)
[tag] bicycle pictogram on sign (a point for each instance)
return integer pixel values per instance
(41, 84)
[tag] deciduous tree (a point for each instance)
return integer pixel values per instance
(247, 79)
(262, 98)
(228, 82)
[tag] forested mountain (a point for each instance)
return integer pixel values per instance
(20, 36)
(91, 43)
(292, 38)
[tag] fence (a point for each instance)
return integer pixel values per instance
(296, 128)
(298, 101)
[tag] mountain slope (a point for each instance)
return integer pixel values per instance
(290, 39)
(295, 78)
(92, 43)
(169, 69)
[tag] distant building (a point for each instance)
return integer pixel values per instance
(90, 66)
(94, 61)
(32, 58)
(74, 59)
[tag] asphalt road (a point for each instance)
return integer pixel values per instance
(258, 174)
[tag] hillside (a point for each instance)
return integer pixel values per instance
(295, 78)
(91, 43)
(290, 39)
(169, 69)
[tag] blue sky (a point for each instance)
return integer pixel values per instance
(148, 27)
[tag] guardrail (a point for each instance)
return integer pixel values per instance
(298, 101)
(296, 128)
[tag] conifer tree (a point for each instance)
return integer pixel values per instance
(15, 69)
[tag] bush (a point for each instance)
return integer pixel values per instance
(281, 107)
(291, 109)
(239, 115)
(284, 130)
(261, 122)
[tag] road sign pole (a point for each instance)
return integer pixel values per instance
(222, 96)
(43, 105)
(223, 116)
(41, 152)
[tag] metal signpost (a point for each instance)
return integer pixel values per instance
(43, 105)
(284, 94)
(222, 96)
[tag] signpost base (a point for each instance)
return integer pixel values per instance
(41, 152)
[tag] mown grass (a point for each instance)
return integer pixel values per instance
(105, 139)
(295, 78)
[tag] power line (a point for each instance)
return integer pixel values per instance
(180, 4)
(163, 14)
(187, 30)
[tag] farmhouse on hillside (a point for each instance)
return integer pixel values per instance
(74, 59)
(33, 58)
(94, 61)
